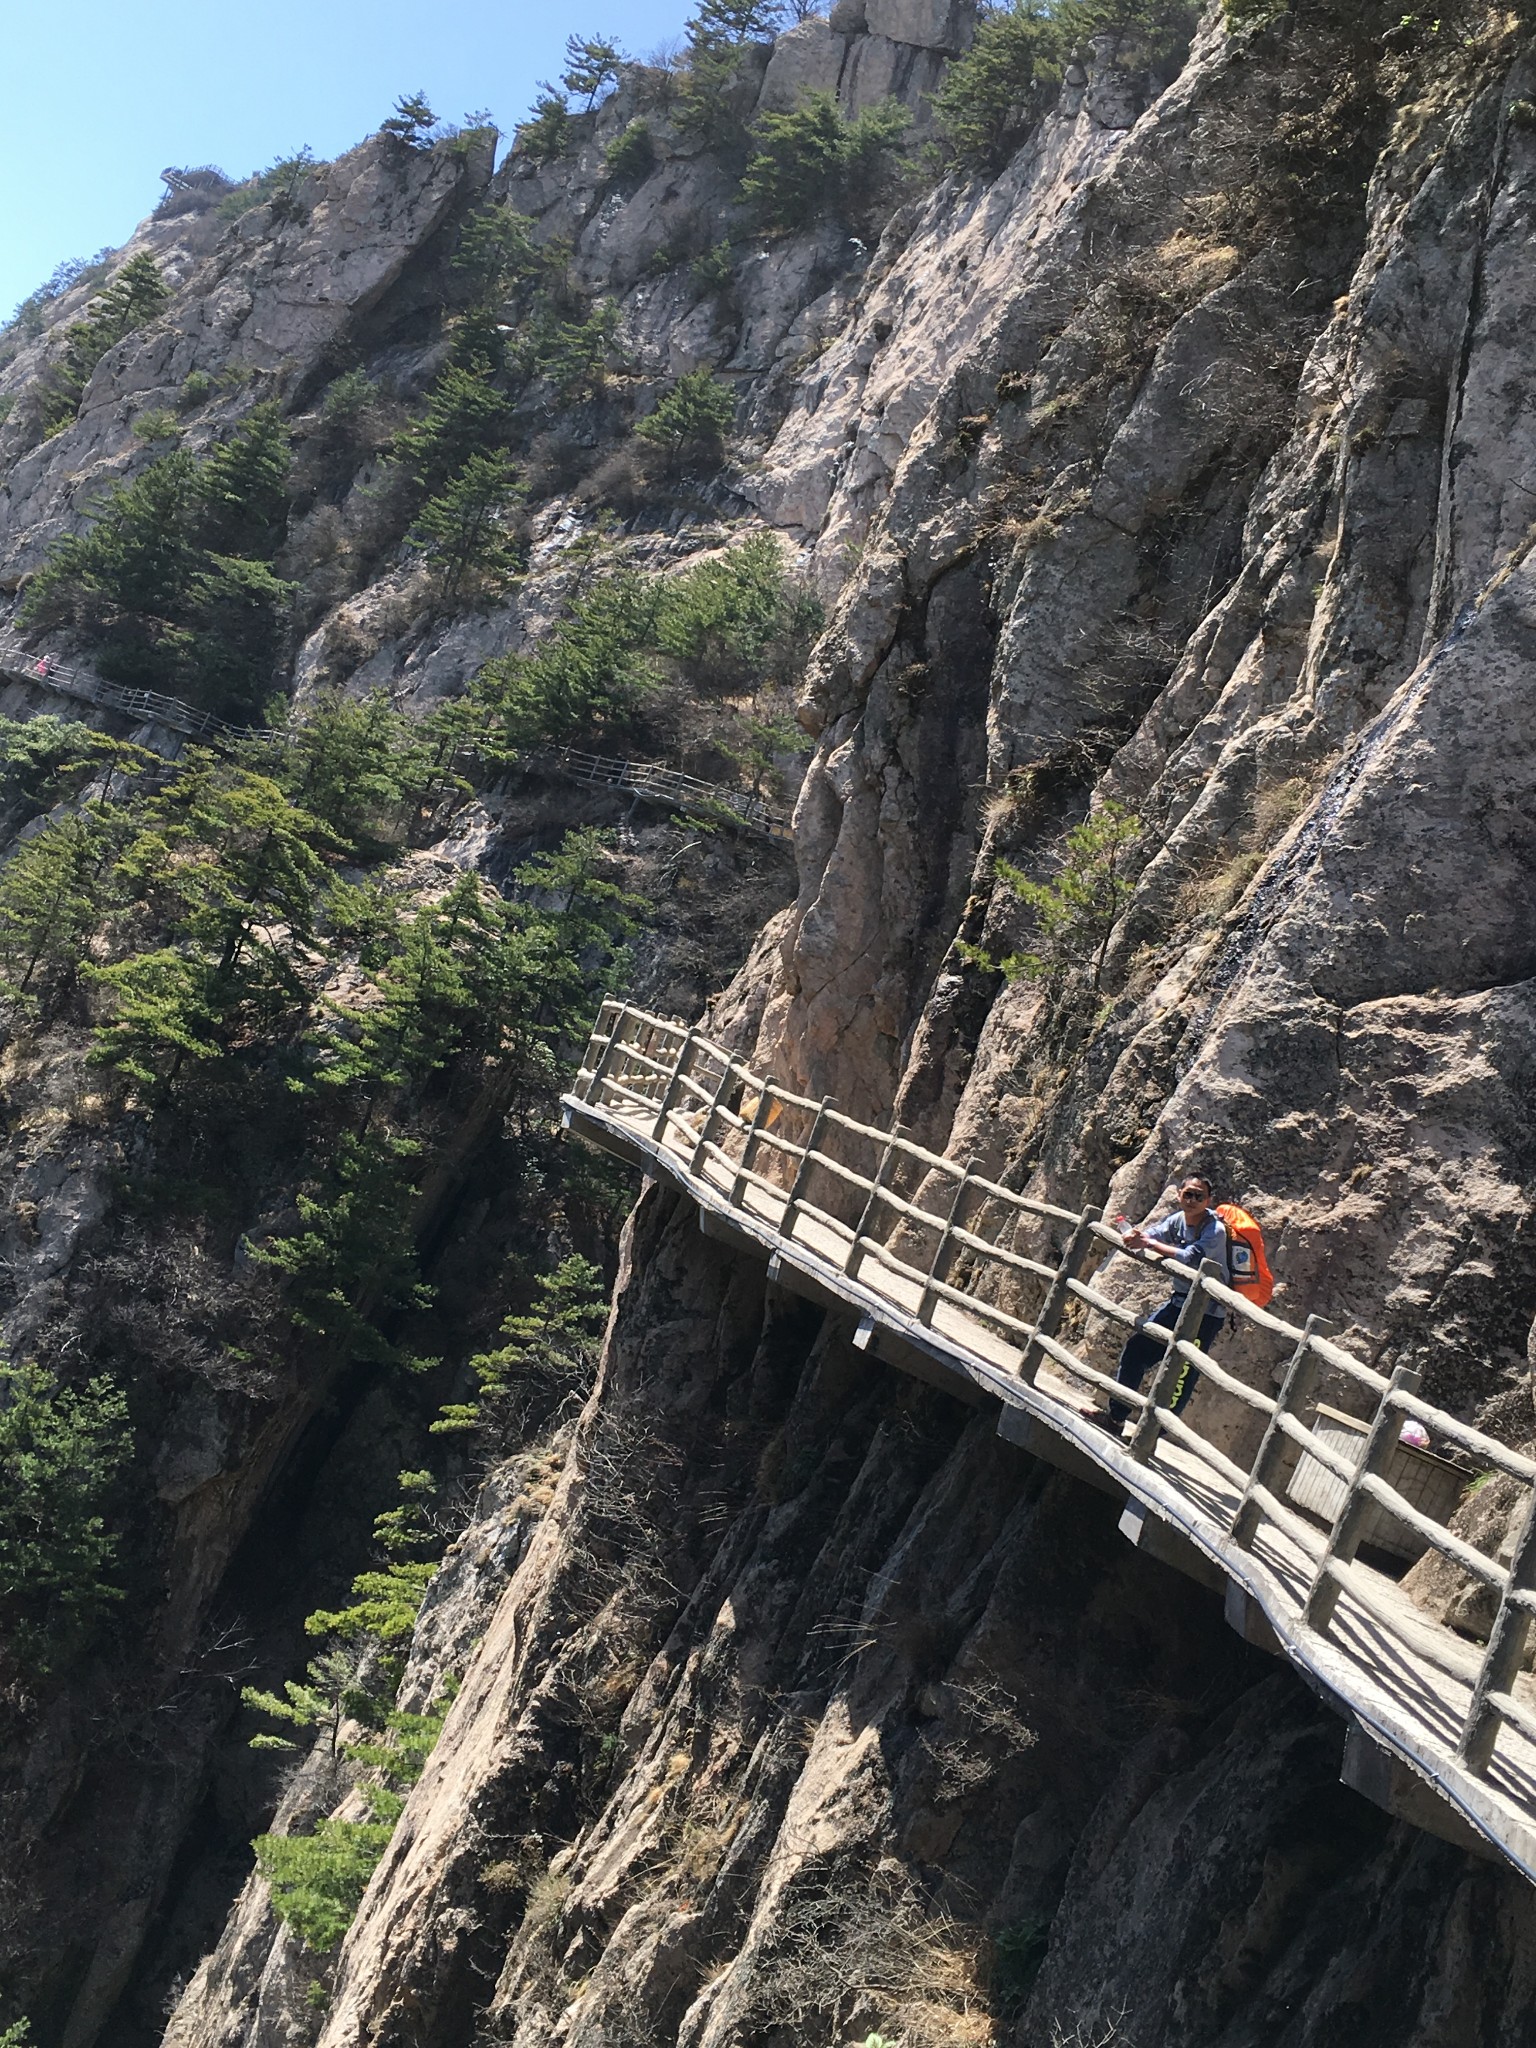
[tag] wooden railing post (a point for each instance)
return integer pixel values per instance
(754, 1134)
(1505, 1652)
(1297, 1387)
(618, 1015)
(876, 1189)
(699, 1162)
(1345, 1540)
(1053, 1308)
(943, 1250)
(1171, 1367)
(803, 1170)
(674, 1087)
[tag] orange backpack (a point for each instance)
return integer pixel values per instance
(1245, 1255)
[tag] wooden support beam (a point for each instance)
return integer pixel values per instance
(1018, 1426)
(1345, 1540)
(892, 1348)
(1154, 1537)
(1387, 1782)
(1048, 1322)
(1506, 1650)
(1297, 1388)
(1245, 1615)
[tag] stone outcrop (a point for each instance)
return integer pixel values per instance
(1185, 463)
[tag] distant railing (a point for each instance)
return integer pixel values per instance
(640, 778)
(959, 1255)
(668, 786)
(45, 672)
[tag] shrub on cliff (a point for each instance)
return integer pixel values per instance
(1076, 911)
(61, 1450)
(689, 426)
(462, 531)
(134, 296)
(810, 161)
(589, 675)
(737, 621)
(465, 416)
(173, 583)
(631, 156)
(277, 186)
(993, 95)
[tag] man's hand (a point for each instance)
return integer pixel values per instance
(1135, 1240)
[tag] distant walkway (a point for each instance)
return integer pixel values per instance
(147, 707)
(959, 1280)
(666, 786)
(643, 779)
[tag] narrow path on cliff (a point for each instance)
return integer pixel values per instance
(646, 780)
(1270, 1499)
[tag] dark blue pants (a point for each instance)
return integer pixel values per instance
(1142, 1353)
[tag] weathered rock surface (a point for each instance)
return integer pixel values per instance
(1143, 471)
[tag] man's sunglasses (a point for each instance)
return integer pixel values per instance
(1194, 1194)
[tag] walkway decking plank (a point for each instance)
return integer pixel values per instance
(1396, 1674)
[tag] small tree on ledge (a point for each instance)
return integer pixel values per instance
(1076, 912)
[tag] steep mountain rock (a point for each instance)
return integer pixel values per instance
(1171, 496)
(1185, 462)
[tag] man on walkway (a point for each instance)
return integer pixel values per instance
(1194, 1234)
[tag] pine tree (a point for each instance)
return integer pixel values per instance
(136, 561)
(227, 654)
(61, 1450)
(134, 296)
(717, 24)
(461, 530)
(1076, 912)
(466, 416)
(551, 1354)
(412, 121)
(690, 424)
(242, 487)
(990, 96)
(52, 892)
(591, 65)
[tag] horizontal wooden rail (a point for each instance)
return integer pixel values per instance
(657, 784)
(919, 1243)
(43, 672)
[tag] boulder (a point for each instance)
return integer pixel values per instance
(930, 24)
(808, 59)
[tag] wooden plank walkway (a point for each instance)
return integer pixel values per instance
(647, 780)
(148, 707)
(978, 1288)
(655, 784)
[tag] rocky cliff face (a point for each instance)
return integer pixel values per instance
(1185, 462)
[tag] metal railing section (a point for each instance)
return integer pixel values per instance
(971, 1260)
(148, 706)
(661, 785)
(639, 778)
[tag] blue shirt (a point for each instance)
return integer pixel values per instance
(1210, 1243)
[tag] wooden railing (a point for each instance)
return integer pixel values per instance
(998, 1285)
(668, 786)
(150, 707)
(643, 779)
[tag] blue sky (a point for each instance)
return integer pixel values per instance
(105, 92)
